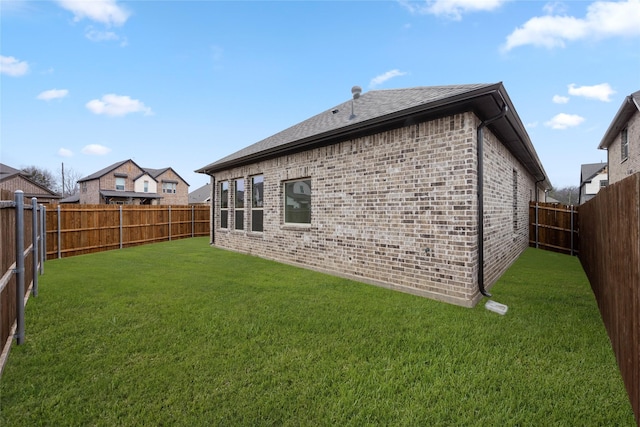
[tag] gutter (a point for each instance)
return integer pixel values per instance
(480, 192)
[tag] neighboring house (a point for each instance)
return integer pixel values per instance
(593, 177)
(126, 183)
(622, 140)
(13, 179)
(201, 196)
(385, 188)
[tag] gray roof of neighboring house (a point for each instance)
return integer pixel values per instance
(154, 173)
(589, 170)
(106, 170)
(132, 194)
(629, 107)
(7, 171)
(200, 195)
(378, 110)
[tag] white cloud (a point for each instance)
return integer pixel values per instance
(50, 94)
(100, 36)
(555, 7)
(117, 105)
(65, 152)
(604, 19)
(601, 92)
(557, 99)
(452, 9)
(564, 121)
(378, 80)
(95, 150)
(13, 67)
(107, 12)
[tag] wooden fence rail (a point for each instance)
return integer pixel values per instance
(82, 229)
(21, 262)
(610, 256)
(554, 227)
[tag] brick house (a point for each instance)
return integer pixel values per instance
(126, 183)
(385, 189)
(622, 140)
(13, 179)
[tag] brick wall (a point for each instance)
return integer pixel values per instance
(181, 196)
(397, 209)
(619, 170)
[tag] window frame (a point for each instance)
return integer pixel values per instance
(169, 187)
(224, 205)
(624, 144)
(287, 214)
(238, 204)
(257, 205)
(123, 181)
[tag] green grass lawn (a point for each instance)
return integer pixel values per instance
(179, 333)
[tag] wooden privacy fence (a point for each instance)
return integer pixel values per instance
(21, 262)
(610, 256)
(554, 227)
(82, 229)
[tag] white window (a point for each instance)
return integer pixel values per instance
(120, 184)
(146, 186)
(169, 187)
(297, 202)
(624, 145)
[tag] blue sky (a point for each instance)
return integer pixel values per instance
(184, 83)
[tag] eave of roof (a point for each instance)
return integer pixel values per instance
(132, 194)
(629, 107)
(376, 111)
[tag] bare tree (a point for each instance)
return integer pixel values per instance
(68, 181)
(41, 176)
(566, 195)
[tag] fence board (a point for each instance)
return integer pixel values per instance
(86, 229)
(13, 264)
(610, 256)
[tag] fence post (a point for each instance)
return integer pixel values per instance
(537, 245)
(34, 244)
(19, 200)
(59, 235)
(43, 237)
(120, 226)
(169, 222)
(571, 208)
(193, 221)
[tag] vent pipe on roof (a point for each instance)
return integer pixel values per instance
(355, 91)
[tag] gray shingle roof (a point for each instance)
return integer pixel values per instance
(369, 106)
(629, 107)
(104, 171)
(154, 173)
(589, 170)
(200, 195)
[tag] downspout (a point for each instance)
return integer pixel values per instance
(480, 191)
(212, 218)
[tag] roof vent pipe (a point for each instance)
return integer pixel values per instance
(480, 192)
(355, 91)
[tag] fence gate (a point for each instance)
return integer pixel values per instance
(554, 227)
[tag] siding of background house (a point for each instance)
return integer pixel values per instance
(396, 209)
(29, 189)
(620, 169)
(181, 196)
